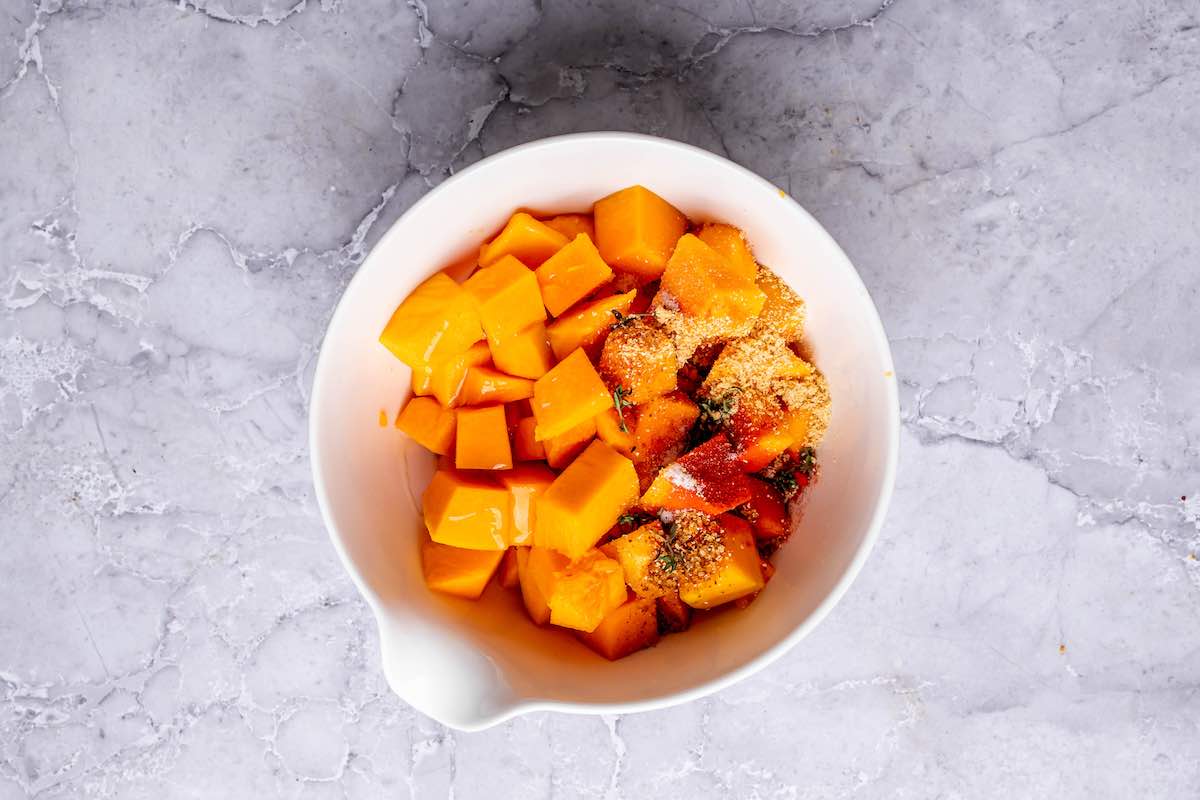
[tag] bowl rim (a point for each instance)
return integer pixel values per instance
(882, 498)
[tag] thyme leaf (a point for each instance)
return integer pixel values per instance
(624, 320)
(620, 403)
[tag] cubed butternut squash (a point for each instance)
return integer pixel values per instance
(585, 591)
(525, 483)
(783, 311)
(484, 385)
(562, 449)
(572, 274)
(428, 424)
(707, 479)
(536, 570)
(674, 615)
(444, 378)
(436, 321)
(738, 574)
(586, 325)
(481, 439)
(766, 511)
(703, 284)
(525, 353)
(616, 430)
(571, 225)
(528, 240)
(660, 432)
(570, 393)
(636, 230)
(457, 571)
(508, 575)
(640, 358)
(585, 500)
(463, 510)
(626, 629)
(507, 297)
(637, 552)
(525, 446)
(731, 243)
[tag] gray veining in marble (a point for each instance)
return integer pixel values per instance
(185, 189)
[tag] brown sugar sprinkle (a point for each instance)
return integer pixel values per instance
(812, 395)
(783, 312)
(640, 357)
(691, 334)
(754, 363)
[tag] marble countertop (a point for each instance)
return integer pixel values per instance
(185, 188)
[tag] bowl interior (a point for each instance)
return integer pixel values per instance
(369, 478)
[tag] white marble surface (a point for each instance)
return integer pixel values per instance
(185, 188)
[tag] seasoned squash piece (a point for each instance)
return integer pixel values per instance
(481, 439)
(738, 574)
(674, 615)
(437, 321)
(731, 243)
(454, 570)
(704, 285)
(572, 274)
(529, 241)
(536, 570)
(571, 225)
(783, 311)
(766, 511)
(637, 553)
(707, 479)
(587, 324)
(428, 424)
(626, 629)
(562, 449)
(584, 592)
(463, 510)
(525, 354)
(639, 358)
(485, 385)
(444, 379)
(507, 297)
(758, 429)
(636, 230)
(586, 500)
(661, 429)
(525, 447)
(616, 431)
(525, 483)
(570, 393)
(508, 576)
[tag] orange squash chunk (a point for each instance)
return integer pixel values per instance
(639, 358)
(571, 225)
(525, 238)
(562, 449)
(525, 447)
(454, 570)
(674, 615)
(525, 483)
(783, 311)
(704, 284)
(463, 510)
(507, 297)
(485, 385)
(731, 243)
(707, 479)
(610, 430)
(570, 393)
(525, 354)
(636, 230)
(509, 576)
(760, 429)
(626, 629)
(444, 379)
(587, 324)
(586, 500)
(428, 424)
(636, 552)
(585, 591)
(536, 570)
(661, 429)
(481, 439)
(437, 321)
(766, 511)
(572, 274)
(739, 574)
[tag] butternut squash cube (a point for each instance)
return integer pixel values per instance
(562, 449)
(525, 354)
(525, 483)
(704, 285)
(571, 225)
(463, 510)
(636, 230)
(674, 615)
(566, 396)
(525, 238)
(437, 321)
(456, 571)
(572, 274)
(640, 358)
(444, 379)
(481, 439)
(766, 511)
(585, 500)
(587, 324)
(708, 478)
(783, 311)
(536, 570)
(485, 385)
(525, 447)
(660, 432)
(626, 629)
(615, 431)
(739, 573)
(508, 576)
(637, 552)
(731, 243)
(428, 424)
(585, 591)
(507, 297)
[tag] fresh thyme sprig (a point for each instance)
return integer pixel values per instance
(623, 320)
(620, 403)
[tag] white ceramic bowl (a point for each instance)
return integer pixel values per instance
(471, 665)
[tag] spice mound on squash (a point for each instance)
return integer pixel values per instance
(623, 415)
